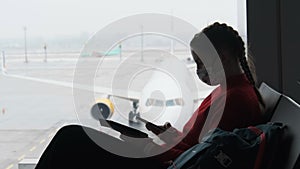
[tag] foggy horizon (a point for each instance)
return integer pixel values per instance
(67, 25)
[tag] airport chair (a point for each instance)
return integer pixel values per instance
(271, 98)
(288, 113)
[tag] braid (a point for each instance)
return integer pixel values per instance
(245, 67)
(225, 37)
(248, 73)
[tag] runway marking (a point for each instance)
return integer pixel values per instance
(10, 166)
(33, 148)
(21, 157)
(41, 142)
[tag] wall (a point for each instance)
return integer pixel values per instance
(273, 38)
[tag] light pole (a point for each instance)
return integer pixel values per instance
(120, 48)
(25, 44)
(45, 49)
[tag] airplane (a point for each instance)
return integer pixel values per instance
(161, 100)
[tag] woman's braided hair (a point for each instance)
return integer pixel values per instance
(225, 37)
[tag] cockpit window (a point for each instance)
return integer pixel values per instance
(179, 101)
(149, 102)
(154, 102)
(168, 103)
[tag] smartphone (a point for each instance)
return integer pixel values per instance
(123, 129)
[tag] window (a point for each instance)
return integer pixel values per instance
(36, 96)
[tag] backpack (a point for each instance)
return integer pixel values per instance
(254, 147)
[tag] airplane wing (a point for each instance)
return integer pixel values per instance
(127, 95)
(119, 93)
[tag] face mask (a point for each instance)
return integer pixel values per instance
(212, 80)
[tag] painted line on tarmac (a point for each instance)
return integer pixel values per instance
(33, 148)
(42, 141)
(10, 166)
(21, 157)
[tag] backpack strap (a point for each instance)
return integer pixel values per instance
(261, 148)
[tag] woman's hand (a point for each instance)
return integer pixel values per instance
(165, 132)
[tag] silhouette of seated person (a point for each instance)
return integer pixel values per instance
(234, 103)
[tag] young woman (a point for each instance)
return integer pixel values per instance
(235, 103)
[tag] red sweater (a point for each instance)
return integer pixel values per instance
(236, 107)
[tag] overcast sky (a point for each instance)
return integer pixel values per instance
(51, 18)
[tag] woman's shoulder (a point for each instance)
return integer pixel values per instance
(243, 97)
